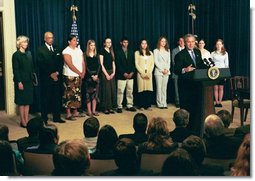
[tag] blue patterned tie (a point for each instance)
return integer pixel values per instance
(193, 57)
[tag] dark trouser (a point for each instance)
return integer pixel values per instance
(144, 99)
(176, 92)
(50, 99)
(190, 98)
(108, 99)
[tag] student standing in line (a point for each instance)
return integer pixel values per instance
(162, 71)
(107, 61)
(144, 63)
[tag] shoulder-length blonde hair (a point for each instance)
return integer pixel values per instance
(158, 44)
(21, 39)
(87, 49)
(158, 133)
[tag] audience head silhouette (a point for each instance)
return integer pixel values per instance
(195, 147)
(91, 127)
(125, 155)
(226, 117)
(71, 158)
(34, 126)
(7, 166)
(181, 118)
(4, 132)
(213, 126)
(140, 122)
(107, 138)
(179, 163)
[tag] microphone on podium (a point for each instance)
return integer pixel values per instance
(212, 63)
(206, 62)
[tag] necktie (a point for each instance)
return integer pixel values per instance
(193, 57)
(51, 49)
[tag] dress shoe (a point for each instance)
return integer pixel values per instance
(70, 118)
(23, 126)
(106, 112)
(95, 114)
(218, 105)
(59, 121)
(165, 107)
(111, 111)
(119, 110)
(132, 109)
(149, 109)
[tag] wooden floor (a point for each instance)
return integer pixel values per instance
(121, 122)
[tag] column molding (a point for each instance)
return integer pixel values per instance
(9, 30)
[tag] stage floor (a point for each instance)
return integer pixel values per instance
(121, 122)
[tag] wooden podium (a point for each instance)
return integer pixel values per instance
(206, 104)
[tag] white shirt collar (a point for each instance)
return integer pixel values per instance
(48, 46)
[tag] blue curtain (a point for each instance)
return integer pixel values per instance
(226, 19)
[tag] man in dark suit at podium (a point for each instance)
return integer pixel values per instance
(186, 61)
(50, 65)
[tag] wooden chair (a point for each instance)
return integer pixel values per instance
(225, 163)
(153, 162)
(239, 85)
(98, 166)
(38, 164)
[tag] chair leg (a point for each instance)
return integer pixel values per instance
(241, 115)
(232, 112)
(246, 112)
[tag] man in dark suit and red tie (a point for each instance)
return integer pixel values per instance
(186, 61)
(50, 64)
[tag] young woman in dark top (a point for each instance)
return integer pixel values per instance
(107, 61)
(92, 79)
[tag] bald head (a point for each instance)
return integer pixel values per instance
(49, 38)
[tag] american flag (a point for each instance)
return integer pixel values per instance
(75, 32)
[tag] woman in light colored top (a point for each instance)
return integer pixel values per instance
(144, 63)
(162, 71)
(220, 57)
(205, 53)
(73, 71)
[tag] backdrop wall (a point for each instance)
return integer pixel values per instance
(226, 19)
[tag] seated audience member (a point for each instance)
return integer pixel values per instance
(242, 131)
(33, 127)
(4, 136)
(227, 119)
(125, 157)
(158, 138)
(7, 166)
(107, 138)
(48, 140)
(71, 158)
(179, 163)
(90, 131)
(140, 125)
(242, 164)
(217, 144)
(196, 148)
(181, 120)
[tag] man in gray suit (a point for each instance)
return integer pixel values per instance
(174, 76)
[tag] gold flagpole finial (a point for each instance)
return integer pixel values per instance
(74, 8)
